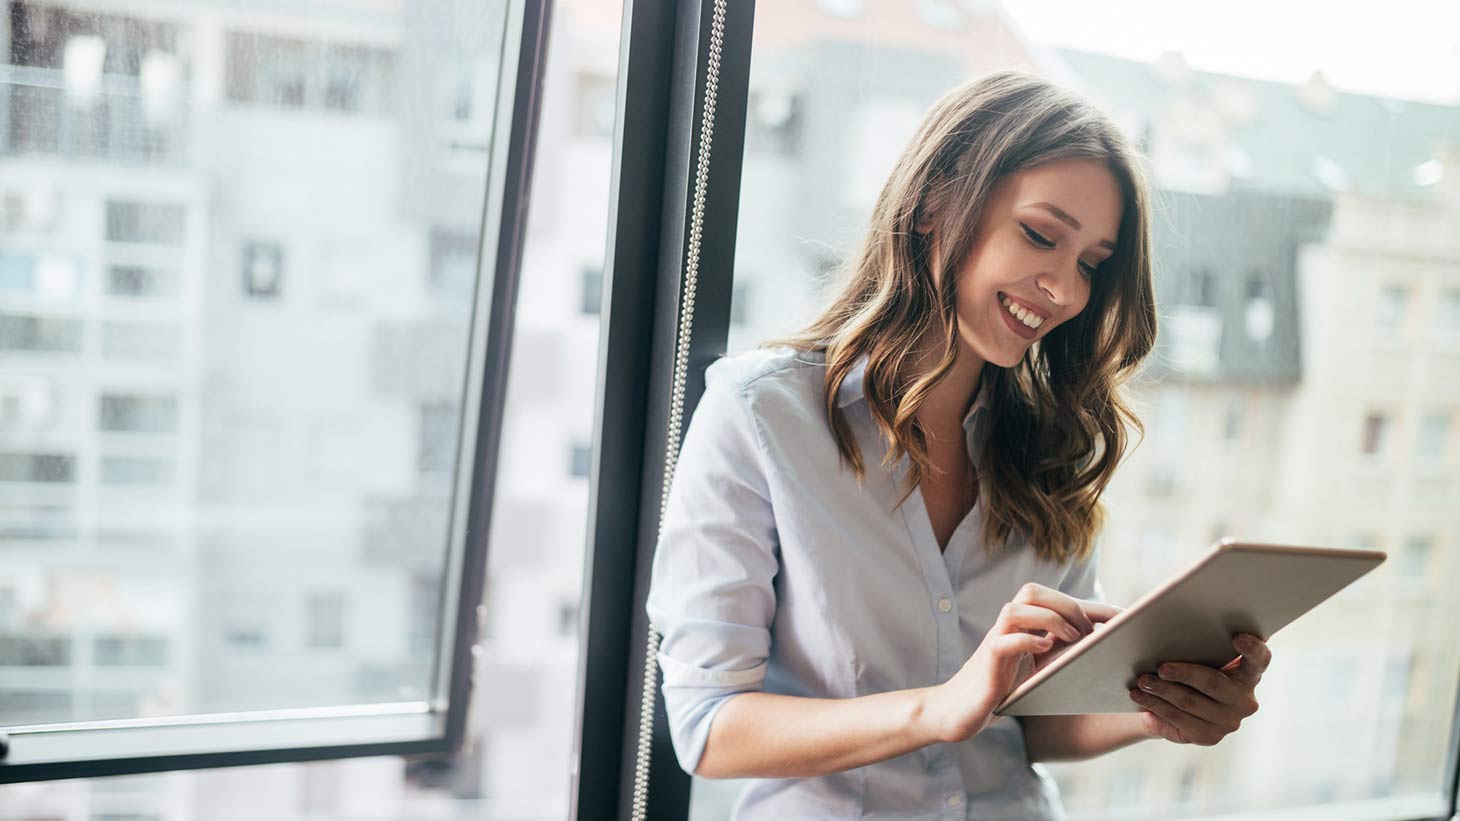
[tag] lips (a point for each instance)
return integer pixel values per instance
(1013, 323)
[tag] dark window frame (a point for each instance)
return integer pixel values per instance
(141, 745)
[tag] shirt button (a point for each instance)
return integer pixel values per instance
(944, 605)
(955, 800)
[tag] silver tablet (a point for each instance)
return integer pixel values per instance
(1236, 587)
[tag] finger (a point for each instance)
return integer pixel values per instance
(1017, 615)
(1255, 649)
(1216, 685)
(1081, 614)
(1014, 645)
(1188, 701)
(1158, 727)
(1192, 728)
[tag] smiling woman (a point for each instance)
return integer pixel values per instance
(788, 573)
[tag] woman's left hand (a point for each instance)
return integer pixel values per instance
(1196, 704)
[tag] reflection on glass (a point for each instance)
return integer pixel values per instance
(1293, 395)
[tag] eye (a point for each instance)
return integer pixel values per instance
(1040, 242)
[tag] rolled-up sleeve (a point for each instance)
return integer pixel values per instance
(711, 593)
(1082, 580)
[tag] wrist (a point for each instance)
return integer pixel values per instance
(934, 719)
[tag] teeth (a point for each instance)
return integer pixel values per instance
(1029, 318)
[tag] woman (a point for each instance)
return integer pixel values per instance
(817, 614)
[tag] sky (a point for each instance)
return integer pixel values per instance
(1399, 48)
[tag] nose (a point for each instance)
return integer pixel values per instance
(1062, 290)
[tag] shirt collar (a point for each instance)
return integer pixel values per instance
(853, 389)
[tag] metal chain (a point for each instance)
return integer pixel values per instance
(676, 404)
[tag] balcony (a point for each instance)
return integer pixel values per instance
(114, 118)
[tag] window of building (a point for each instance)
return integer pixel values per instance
(1259, 311)
(287, 72)
(591, 288)
(140, 281)
(1376, 425)
(37, 467)
(1415, 561)
(580, 458)
(1434, 436)
(1391, 306)
(263, 269)
(1448, 313)
(437, 449)
(567, 618)
(1233, 417)
(144, 222)
(144, 471)
(123, 650)
(326, 620)
(39, 333)
(453, 266)
(137, 414)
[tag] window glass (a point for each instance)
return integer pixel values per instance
(226, 443)
(1283, 236)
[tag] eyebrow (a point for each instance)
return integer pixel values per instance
(1068, 220)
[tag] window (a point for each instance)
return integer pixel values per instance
(289, 73)
(140, 281)
(1434, 435)
(37, 467)
(1415, 562)
(130, 651)
(1260, 314)
(438, 437)
(740, 307)
(1375, 428)
(1391, 307)
(579, 460)
(567, 618)
(148, 222)
(1448, 314)
(36, 333)
(138, 414)
(175, 557)
(136, 470)
(263, 269)
(1232, 419)
(453, 265)
(326, 620)
(592, 290)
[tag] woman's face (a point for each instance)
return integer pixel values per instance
(1038, 238)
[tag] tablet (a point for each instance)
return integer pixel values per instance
(1236, 587)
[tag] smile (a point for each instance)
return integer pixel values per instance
(1020, 320)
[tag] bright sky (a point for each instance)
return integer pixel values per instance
(1398, 48)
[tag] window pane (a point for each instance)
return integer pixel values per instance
(1292, 392)
(308, 326)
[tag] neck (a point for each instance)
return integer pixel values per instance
(942, 415)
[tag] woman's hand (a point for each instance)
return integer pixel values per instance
(1195, 704)
(1029, 632)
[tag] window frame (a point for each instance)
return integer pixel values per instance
(657, 144)
(437, 724)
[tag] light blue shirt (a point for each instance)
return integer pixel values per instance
(774, 571)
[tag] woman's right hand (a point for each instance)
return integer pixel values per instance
(1038, 623)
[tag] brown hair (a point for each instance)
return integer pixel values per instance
(1058, 419)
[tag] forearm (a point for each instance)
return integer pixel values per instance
(1075, 738)
(767, 735)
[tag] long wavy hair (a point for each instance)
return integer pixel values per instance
(1059, 422)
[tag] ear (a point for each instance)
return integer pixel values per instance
(930, 211)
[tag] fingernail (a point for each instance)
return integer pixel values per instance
(1147, 684)
(1166, 672)
(1244, 642)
